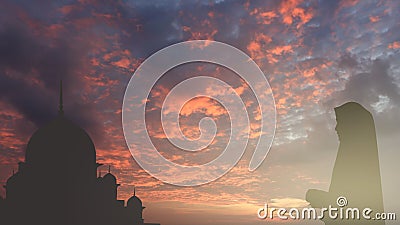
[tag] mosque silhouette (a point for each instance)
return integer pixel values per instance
(58, 183)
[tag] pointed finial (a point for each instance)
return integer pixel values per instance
(109, 169)
(60, 106)
(134, 191)
(13, 172)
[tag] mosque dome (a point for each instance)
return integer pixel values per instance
(61, 144)
(134, 202)
(60, 139)
(109, 178)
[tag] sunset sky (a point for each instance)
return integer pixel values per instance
(315, 54)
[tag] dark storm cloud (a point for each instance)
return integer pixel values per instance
(366, 87)
(147, 28)
(26, 59)
(347, 61)
(375, 88)
(159, 25)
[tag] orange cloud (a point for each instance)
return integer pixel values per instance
(203, 105)
(256, 47)
(374, 19)
(264, 17)
(302, 15)
(394, 45)
(291, 10)
(101, 80)
(123, 62)
(279, 50)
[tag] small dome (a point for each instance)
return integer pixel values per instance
(134, 201)
(109, 178)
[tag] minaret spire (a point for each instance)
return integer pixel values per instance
(60, 106)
